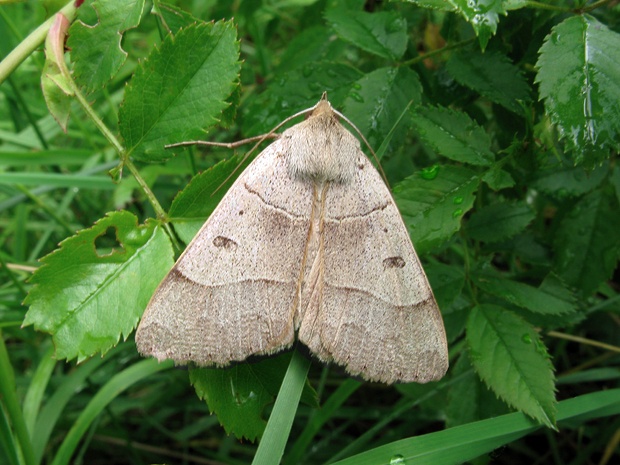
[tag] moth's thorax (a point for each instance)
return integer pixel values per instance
(321, 148)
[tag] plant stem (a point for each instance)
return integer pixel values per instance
(11, 403)
(594, 6)
(32, 42)
(583, 340)
(439, 51)
(544, 6)
(120, 150)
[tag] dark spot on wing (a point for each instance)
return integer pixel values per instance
(221, 241)
(394, 262)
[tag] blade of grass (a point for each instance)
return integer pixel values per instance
(16, 200)
(11, 403)
(106, 394)
(334, 402)
(59, 180)
(271, 446)
(62, 395)
(6, 437)
(463, 443)
(32, 401)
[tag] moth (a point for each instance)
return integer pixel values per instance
(308, 242)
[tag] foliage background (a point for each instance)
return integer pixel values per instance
(497, 124)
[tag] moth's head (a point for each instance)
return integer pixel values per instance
(323, 107)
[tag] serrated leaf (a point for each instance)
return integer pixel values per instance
(454, 135)
(469, 399)
(96, 49)
(56, 90)
(483, 16)
(296, 91)
(509, 356)
(188, 78)
(499, 221)
(498, 179)
(490, 74)
(526, 246)
(312, 44)
(455, 317)
(445, 5)
(382, 33)
(238, 395)
(88, 301)
(377, 101)
(193, 205)
(580, 82)
(568, 181)
(433, 201)
(551, 298)
(171, 17)
(587, 243)
(446, 281)
(614, 180)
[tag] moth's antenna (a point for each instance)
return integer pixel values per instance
(367, 145)
(228, 145)
(260, 140)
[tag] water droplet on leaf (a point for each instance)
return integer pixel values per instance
(397, 460)
(430, 172)
(458, 200)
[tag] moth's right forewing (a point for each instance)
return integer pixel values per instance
(233, 291)
(373, 311)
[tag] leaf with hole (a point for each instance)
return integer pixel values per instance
(88, 298)
(96, 48)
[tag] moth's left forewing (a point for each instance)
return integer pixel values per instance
(376, 314)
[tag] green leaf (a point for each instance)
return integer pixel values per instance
(580, 83)
(498, 179)
(171, 17)
(296, 91)
(433, 201)
(86, 299)
(312, 44)
(492, 75)
(96, 49)
(510, 357)
(56, 90)
(470, 400)
(483, 16)
(454, 135)
(614, 180)
(189, 78)
(193, 205)
(238, 395)
(587, 244)
(499, 221)
(381, 33)
(378, 99)
(447, 282)
(466, 442)
(455, 317)
(551, 298)
(445, 5)
(568, 181)
(526, 246)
